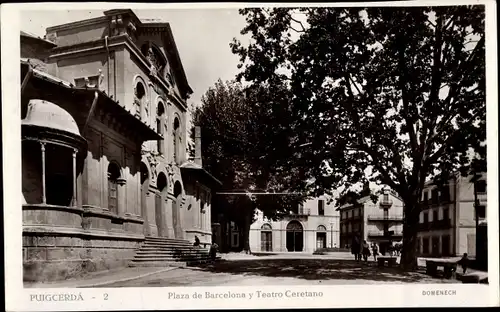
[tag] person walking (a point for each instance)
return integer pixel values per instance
(355, 248)
(366, 251)
(375, 251)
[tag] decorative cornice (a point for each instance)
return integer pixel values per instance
(65, 231)
(117, 41)
(76, 24)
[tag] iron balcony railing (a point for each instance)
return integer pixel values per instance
(385, 218)
(435, 225)
(302, 212)
(391, 233)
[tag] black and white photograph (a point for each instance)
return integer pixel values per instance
(243, 154)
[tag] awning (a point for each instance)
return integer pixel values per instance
(199, 172)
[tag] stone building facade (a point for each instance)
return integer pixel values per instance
(451, 217)
(379, 222)
(315, 225)
(104, 148)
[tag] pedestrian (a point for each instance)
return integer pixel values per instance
(355, 248)
(196, 241)
(464, 262)
(375, 251)
(366, 251)
(213, 251)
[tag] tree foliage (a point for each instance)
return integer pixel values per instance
(245, 139)
(391, 95)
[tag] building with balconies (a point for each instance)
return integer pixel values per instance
(451, 216)
(313, 225)
(379, 222)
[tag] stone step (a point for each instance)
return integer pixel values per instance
(154, 254)
(165, 244)
(169, 259)
(156, 264)
(164, 239)
(173, 251)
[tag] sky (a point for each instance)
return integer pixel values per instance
(202, 37)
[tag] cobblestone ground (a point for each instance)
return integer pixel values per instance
(282, 271)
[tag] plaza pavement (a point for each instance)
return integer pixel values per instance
(240, 269)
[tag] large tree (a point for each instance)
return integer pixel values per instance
(395, 96)
(245, 140)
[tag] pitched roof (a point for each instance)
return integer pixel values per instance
(35, 37)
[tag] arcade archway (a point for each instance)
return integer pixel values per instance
(294, 236)
(161, 184)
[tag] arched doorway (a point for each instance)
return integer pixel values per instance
(294, 236)
(266, 237)
(321, 237)
(144, 193)
(176, 210)
(161, 185)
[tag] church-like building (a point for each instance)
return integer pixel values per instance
(104, 146)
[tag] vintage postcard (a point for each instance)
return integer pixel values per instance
(250, 155)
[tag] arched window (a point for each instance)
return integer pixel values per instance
(160, 117)
(266, 227)
(113, 176)
(266, 237)
(321, 228)
(294, 226)
(140, 101)
(176, 140)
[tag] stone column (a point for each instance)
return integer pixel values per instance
(74, 179)
(122, 202)
(44, 197)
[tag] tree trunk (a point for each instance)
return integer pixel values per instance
(246, 230)
(410, 230)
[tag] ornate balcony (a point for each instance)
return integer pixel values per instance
(389, 218)
(435, 225)
(382, 234)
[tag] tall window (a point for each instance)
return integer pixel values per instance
(425, 245)
(160, 115)
(435, 215)
(386, 198)
(480, 186)
(113, 175)
(445, 194)
(141, 109)
(176, 132)
(426, 197)
(481, 211)
(435, 196)
(446, 213)
(426, 217)
(321, 207)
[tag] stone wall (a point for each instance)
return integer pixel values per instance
(59, 257)
(62, 242)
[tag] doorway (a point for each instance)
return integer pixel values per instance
(176, 210)
(159, 203)
(294, 236)
(266, 238)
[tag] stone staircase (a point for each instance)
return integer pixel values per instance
(164, 252)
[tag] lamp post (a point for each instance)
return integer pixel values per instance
(331, 241)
